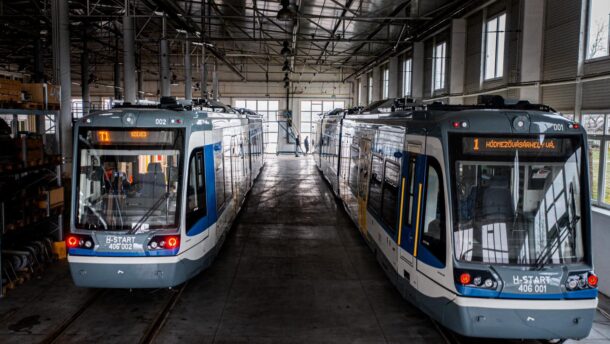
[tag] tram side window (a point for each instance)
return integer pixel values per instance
(391, 178)
(411, 188)
(354, 168)
(375, 187)
(433, 235)
(219, 173)
(196, 206)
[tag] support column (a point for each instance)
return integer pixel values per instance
(129, 63)
(165, 82)
(61, 28)
(164, 50)
(204, 75)
(84, 78)
(376, 83)
(140, 76)
(117, 81)
(394, 86)
(215, 81)
(188, 78)
(117, 71)
(418, 71)
(531, 52)
(39, 78)
(458, 61)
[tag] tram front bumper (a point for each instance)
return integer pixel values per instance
(520, 319)
(105, 272)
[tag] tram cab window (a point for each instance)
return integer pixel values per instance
(519, 207)
(433, 234)
(195, 197)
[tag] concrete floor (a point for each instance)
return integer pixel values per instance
(294, 269)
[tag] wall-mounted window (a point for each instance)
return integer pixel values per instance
(269, 110)
(440, 52)
(598, 132)
(386, 82)
(494, 47)
(407, 73)
(310, 109)
(598, 40)
(370, 88)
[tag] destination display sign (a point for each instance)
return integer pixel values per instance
(509, 145)
(133, 137)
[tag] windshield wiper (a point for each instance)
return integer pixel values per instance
(100, 217)
(150, 211)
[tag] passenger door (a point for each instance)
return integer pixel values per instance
(431, 239)
(413, 171)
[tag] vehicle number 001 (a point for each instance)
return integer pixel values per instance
(160, 121)
(532, 288)
(558, 127)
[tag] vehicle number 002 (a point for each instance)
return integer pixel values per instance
(532, 288)
(160, 121)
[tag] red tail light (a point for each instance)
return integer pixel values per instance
(164, 242)
(172, 242)
(72, 241)
(592, 280)
(465, 278)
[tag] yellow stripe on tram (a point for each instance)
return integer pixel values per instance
(402, 200)
(417, 224)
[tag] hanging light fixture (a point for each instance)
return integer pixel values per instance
(288, 11)
(286, 66)
(285, 50)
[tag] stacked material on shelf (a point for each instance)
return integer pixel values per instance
(35, 93)
(10, 90)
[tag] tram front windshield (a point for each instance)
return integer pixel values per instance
(128, 179)
(518, 200)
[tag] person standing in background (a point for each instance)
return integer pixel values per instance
(297, 145)
(306, 142)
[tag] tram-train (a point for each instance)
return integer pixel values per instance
(480, 215)
(155, 191)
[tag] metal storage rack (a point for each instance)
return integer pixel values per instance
(43, 123)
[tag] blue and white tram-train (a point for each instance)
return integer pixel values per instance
(155, 192)
(480, 215)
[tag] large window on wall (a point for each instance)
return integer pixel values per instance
(440, 52)
(310, 109)
(598, 39)
(598, 131)
(494, 46)
(386, 82)
(369, 86)
(407, 73)
(269, 110)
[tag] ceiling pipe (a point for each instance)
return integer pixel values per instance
(441, 19)
(185, 22)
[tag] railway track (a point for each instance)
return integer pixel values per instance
(149, 334)
(154, 327)
(53, 336)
